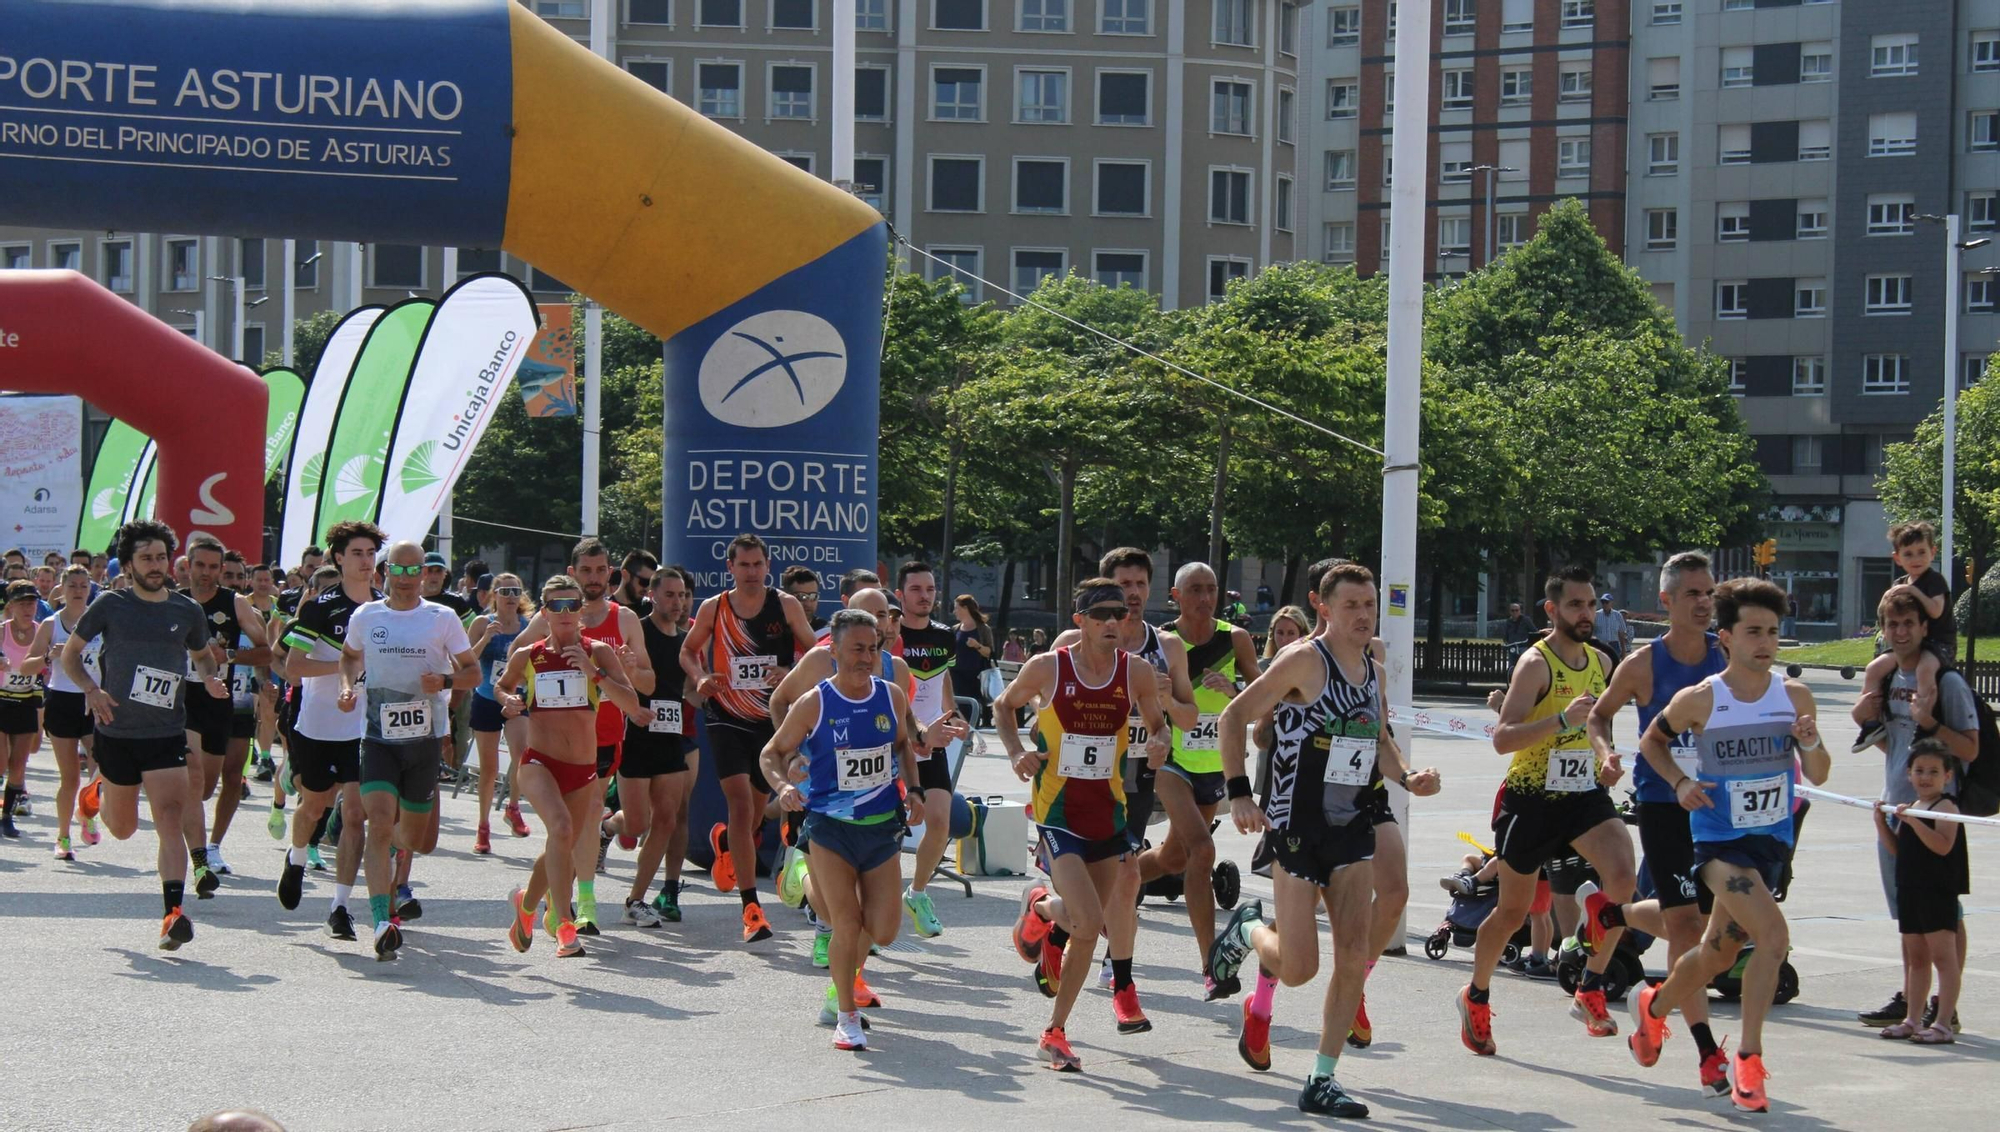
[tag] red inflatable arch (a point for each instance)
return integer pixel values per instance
(61, 332)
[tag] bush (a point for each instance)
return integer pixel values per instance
(1989, 606)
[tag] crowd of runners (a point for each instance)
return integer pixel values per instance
(182, 675)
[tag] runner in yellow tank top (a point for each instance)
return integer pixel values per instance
(1530, 772)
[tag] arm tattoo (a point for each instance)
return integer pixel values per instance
(1737, 884)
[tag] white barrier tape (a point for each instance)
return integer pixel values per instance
(1887, 807)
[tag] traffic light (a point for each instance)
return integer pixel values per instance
(1765, 553)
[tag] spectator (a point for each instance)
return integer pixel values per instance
(1612, 631)
(1287, 625)
(1932, 872)
(974, 656)
(1519, 630)
(1790, 627)
(1013, 652)
(1265, 599)
(469, 584)
(1038, 643)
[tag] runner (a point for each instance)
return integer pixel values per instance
(1089, 691)
(20, 694)
(1554, 795)
(413, 651)
(850, 730)
(147, 636)
(323, 750)
(1332, 751)
(660, 759)
(802, 583)
(566, 677)
(1738, 795)
(65, 715)
(930, 649)
(1684, 657)
(755, 632)
(492, 636)
(264, 599)
(216, 728)
(1220, 656)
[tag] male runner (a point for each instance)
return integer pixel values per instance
(1738, 795)
(802, 583)
(1079, 792)
(1219, 655)
(1332, 750)
(930, 649)
(1685, 656)
(635, 581)
(323, 752)
(742, 643)
(215, 728)
(660, 758)
(1554, 796)
(147, 636)
(414, 651)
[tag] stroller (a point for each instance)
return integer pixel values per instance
(1462, 919)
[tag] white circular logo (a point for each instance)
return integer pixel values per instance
(773, 369)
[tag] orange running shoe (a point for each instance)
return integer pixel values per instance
(1254, 1045)
(515, 822)
(1648, 1032)
(1359, 1032)
(1589, 1008)
(1475, 1024)
(175, 930)
(482, 841)
(567, 943)
(1715, 1072)
(755, 926)
(1748, 1094)
(1048, 971)
(90, 798)
(864, 995)
(520, 929)
(1125, 1008)
(1062, 1059)
(723, 871)
(1030, 929)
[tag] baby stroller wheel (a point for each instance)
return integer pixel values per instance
(1227, 884)
(1438, 943)
(1788, 985)
(1510, 954)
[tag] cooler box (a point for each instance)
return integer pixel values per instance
(998, 843)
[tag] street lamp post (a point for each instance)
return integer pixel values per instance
(291, 298)
(237, 309)
(1492, 222)
(1953, 281)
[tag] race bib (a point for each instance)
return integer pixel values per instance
(1135, 738)
(1757, 802)
(406, 719)
(243, 685)
(1571, 772)
(666, 718)
(1688, 758)
(1087, 757)
(156, 687)
(863, 768)
(928, 703)
(499, 670)
(21, 682)
(561, 689)
(1203, 735)
(90, 662)
(748, 673)
(1350, 760)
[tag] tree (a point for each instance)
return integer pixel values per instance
(309, 337)
(1912, 480)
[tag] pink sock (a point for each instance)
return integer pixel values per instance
(1260, 999)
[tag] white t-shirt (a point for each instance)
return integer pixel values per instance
(400, 646)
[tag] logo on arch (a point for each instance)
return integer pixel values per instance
(773, 369)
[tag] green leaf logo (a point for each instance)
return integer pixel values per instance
(102, 505)
(353, 482)
(416, 473)
(311, 474)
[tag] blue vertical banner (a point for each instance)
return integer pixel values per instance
(772, 419)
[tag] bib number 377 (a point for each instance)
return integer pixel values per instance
(1758, 802)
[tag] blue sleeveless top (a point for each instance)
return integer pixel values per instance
(1747, 750)
(495, 653)
(851, 767)
(1670, 677)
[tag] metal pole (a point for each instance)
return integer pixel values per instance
(291, 270)
(593, 407)
(1492, 225)
(1406, 333)
(842, 91)
(444, 511)
(236, 325)
(1951, 291)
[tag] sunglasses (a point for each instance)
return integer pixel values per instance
(643, 579)
(1107, 613)
(508, 591)
(403, 571)
(563, 604)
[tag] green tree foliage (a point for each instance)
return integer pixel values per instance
(1912, 481)
(309, 337)
(931, 340)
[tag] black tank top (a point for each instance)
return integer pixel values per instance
(664, 652)
(1920, 870)
(220, 611)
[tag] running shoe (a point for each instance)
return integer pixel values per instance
(1475, 1024)
(7, 823)
(1062, 1059)
(1323, 1096)
(1588, 1007)
(216, 862)
(205, 882)
(1893, 1011)
(1232, 945)
(482, 840)
(1030, 929)
(1459, 884)
(1871, 732)
(848, 1033)
(641, 914)
(864, 995)
(604, 840)
(1648, 1032)
(22, 807)
(587, 925)
(755, 927)
(668, 903)
(1125, 1008)
(1537, 967)
(90, 834)
(1931, 1016)
(1253, 1045)
(388, 937)
(1048, 970)
(521, 927)
(922, 916)
(567, 944)
(723, 871)
(1359, 1033)
(408, 907)
(1594, 902)
(175, 930)
(822, 945)
(275, 824)
(515, 821)
(829, 1011)
(1748, 1091)
(90, 798)
(1715, 1073)
(291, 884)
(1106, 978)
(62, 850)
(1213, 988)
(317, 862)
(339, 924)
(792, 878)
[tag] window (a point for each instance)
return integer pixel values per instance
(17, 257)
(1388, 168)
(305, 270)
(1288, 29)
(1281, 205)
(1032, 265)
(1578, 14)
(1229, 108)
(655, 73)
(800, 161)
(1808, 377)
(1982, 294)
(1517, 86)
(1455, 235)
(1732, 299)
(1343, 27)
(1666, 12)
(1890, 55)
(1235, 23)
(183, 264)
(253, 344)
(250, 263)
(1815, 140)
(871, 94)
(1816, 62)
(795, 14)
(1343, 98)
(1732, 222)
(1454, 163)
(1574, 82)
(1891, 214)
(1222, 272)
(1514, 156)
(1229, 196)
(958, 184)
(1738, 66)
(1339, 169)
(396, 265)
(1459, 17)
(1044, 15)
(1663, 229)
(1893, 134)
(871, 182)
(1120, 269)
(1042, 97)
(1517, 15)
(1732, 144)
(1885, 373)
(562, 9)
(958, 15)
(1388, 94)
(1124, 98)
(118, 265)
(1663, 155)
(649, 11)
(1739, 375)
(791, 92)
(1809, 298)
(1982, 211)
(472, 261)
(1737, 5)
(1572, 157)
(1123, 188)
(1458, 89)
(66, 256)
(718, 13)
(1041, 185)
(1339, 242)
(1808, 455)
(1663, 79)
(1986, 50)
(1512, 229)
(1971, 368)
(961, 265)
(719, 89)
(1125, 17)
(1888, 294)
(871, 15)
(1813, 213)
(955, 93)
(1983, 131)
(1287, 108)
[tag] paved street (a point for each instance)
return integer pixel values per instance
(685, 1024)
